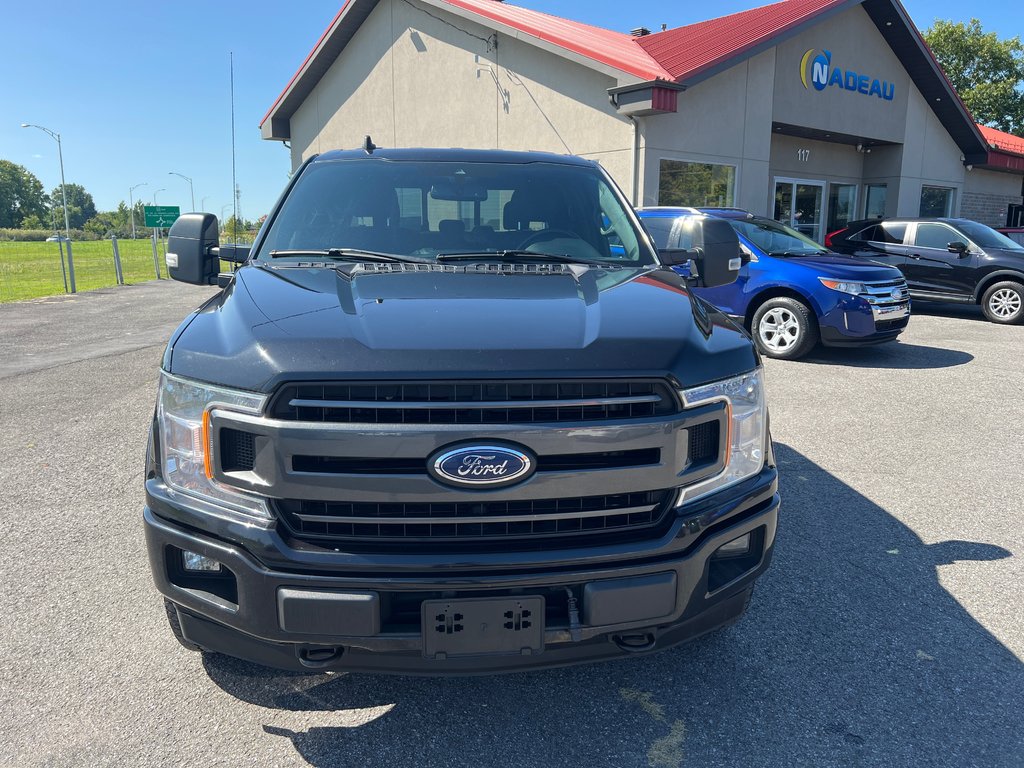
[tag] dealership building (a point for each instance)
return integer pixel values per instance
(813, 112)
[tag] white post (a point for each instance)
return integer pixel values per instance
(156, 256)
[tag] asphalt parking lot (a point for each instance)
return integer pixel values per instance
(888, 631)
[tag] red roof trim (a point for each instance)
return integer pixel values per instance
(306, 61)
(1002, 141)
(690, 50)
(614, 49)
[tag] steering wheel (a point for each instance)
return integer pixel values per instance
(546, 234)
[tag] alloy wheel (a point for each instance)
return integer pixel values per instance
(779, 329)
(1004, 303)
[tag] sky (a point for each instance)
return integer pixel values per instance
(139, 90)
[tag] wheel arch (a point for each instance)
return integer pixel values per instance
(775, 292)
(996, 277)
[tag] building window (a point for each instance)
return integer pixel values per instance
(874, 201)
(696, 184)
(842, 204)
(936, 201)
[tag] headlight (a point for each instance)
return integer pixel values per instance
(843, 286)
(747, 417)
(186, 442)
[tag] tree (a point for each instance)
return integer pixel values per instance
(21, 195)
(246, 230)
(81, 207)
(34, 221)
(987, 72)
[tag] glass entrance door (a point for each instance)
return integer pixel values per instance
(798, 204)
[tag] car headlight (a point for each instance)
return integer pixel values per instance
(843, 286)
(186, 446)
(748, 419)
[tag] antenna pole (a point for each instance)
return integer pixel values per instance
(234, 185)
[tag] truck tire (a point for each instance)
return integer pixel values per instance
(784, 328)
(172, 619)
(1003, 302)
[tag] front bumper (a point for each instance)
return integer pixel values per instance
(854, 322)
(670, 591)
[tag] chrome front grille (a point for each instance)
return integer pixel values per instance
(890, 302)
(880, 292)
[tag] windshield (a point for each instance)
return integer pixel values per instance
(774, 238)
(423, 210)
(986, 237)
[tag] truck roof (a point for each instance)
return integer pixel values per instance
(426, 154)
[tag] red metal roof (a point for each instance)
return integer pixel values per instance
(686, 51)
(1001, 140)
(616, 49)
(671, 55)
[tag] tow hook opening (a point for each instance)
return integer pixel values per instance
(317, 658)
(635, 643)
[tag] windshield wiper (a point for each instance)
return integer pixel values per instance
(346, 254)
(512, 255)
(797, 253)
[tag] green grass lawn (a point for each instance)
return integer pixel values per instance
(31, 270)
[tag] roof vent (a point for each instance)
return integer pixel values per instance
(640, 32)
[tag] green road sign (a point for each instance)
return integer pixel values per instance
(161, 215)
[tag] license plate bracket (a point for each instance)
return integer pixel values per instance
(484, 626)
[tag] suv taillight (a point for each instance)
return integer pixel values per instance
(830, 235)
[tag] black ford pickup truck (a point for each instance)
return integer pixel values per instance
(454, 414)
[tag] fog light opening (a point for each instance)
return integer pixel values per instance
(193, 561)
(736, 547)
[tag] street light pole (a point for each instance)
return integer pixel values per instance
(202, 203)
(131, 204)
(190, 188)
(64, 196)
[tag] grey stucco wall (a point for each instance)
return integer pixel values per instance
(720, 121)
(412, 80)
(856, 45)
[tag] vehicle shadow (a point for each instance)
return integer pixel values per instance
(852, 653)
(892, 355)
(960, 311)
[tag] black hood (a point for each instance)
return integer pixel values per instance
(275, 324)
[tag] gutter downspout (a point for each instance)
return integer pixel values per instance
(636, 149)
(636, 160)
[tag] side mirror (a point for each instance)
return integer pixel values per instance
(714, 255)
(192, 253)
(957, 247)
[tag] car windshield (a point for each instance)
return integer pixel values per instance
(986, 237)
(452, 211)
(774, 238)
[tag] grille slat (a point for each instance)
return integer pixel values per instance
(574, 462)
(475, 402)
(489, 519)
(586, 518)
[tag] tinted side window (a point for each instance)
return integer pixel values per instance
(935, 236)
(889, 232)
(867, 234)
(660, 229)
(893, 232)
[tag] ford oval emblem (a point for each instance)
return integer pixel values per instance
(481, 466)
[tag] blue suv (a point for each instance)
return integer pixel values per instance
(791, 292)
